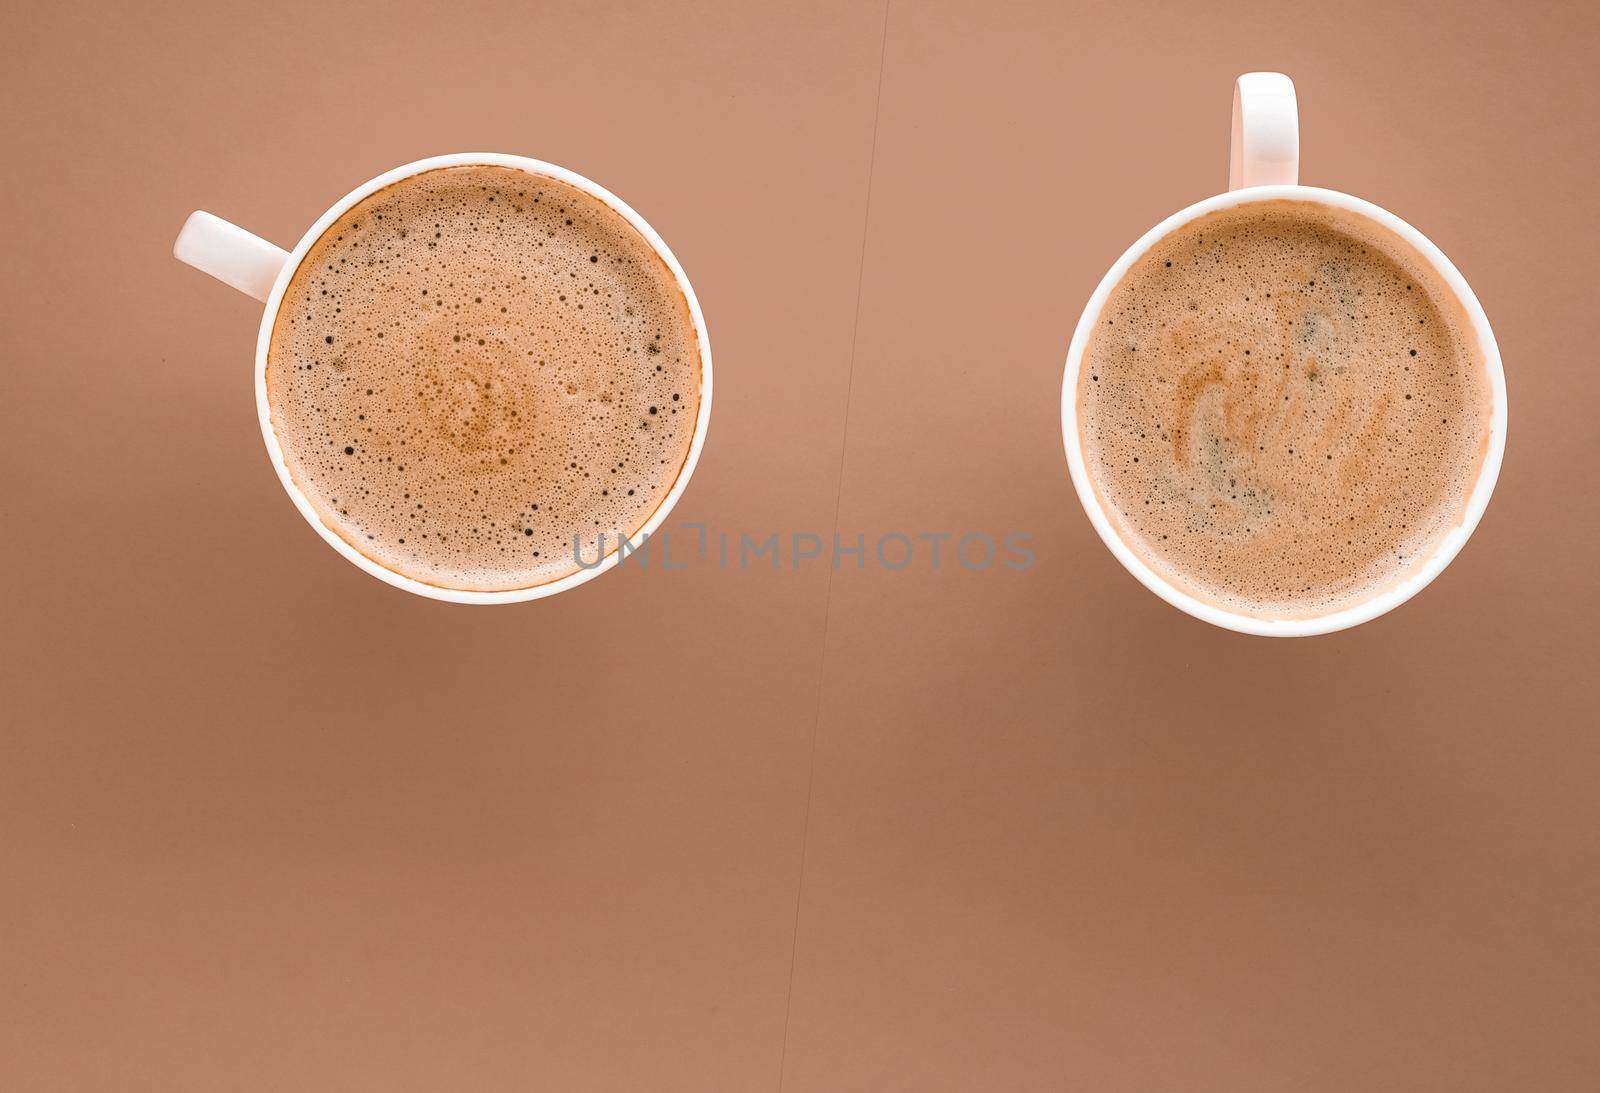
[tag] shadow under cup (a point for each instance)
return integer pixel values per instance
(1203, 363)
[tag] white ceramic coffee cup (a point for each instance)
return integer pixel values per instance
(1265, 166)
(259, 269)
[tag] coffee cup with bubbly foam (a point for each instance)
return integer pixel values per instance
(480, 377)
(1284, 410)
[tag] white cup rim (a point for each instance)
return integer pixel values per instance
(1449, 545)
(275, 451)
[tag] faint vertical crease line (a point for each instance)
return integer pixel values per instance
(838, 503)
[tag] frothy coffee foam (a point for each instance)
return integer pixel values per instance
(476, 364)
(1283, 408)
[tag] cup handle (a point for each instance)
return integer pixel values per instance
(230, 254)
(1266, 132)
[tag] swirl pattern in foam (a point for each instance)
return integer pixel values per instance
(1283, 408)
(476, 366)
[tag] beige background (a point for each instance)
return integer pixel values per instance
(267, 824)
